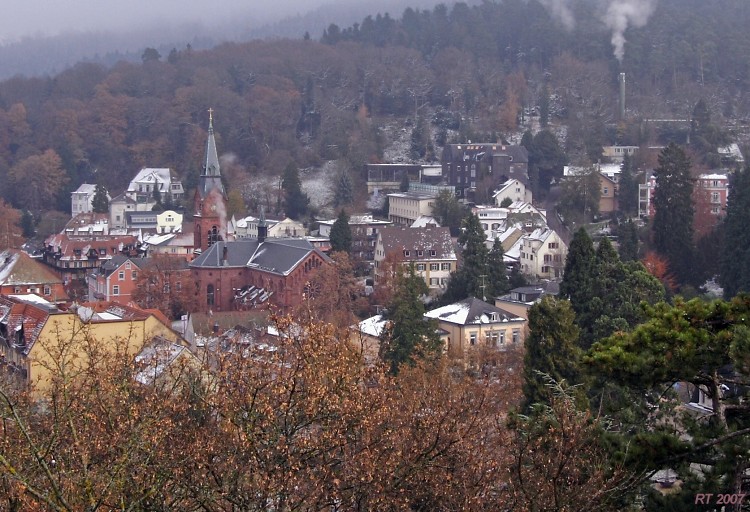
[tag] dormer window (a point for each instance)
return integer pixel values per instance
(433, 253)
(420, 254)
(406, 254)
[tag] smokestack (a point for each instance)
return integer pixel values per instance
(622, 97)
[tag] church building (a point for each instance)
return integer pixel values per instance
(250, 272)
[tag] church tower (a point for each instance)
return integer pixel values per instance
(210, 203)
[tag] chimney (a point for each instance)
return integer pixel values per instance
(622, 97)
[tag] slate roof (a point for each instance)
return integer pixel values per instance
(274, 255)
(18, 268)
(430, 238)
(472, 311)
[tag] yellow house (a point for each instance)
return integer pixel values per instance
(38, 340)
(472, 322)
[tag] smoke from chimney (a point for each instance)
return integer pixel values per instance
(560, 9)
(622, 14)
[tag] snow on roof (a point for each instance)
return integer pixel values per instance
(713, 176)
(85, 188)
(472, 311)
(154, 360)
(372, 326)
(33, 298)
(425, 220)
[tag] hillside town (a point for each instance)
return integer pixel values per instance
(398, 268)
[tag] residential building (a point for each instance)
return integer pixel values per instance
(513, 190)
(711, 194)
(178, 245)
(430, 249)
(472, 322)
(140, 196)
(617, 154)
(82, 199)
(520, 215)
(406, 207)
(519, 300)
(467, 165)
(87, 225)
(364, 229)
(608, 194)
(168, 221)
(541, 254)
(365, 338)
(74, 258)
(20, 273)
(116, 280)
(287, 228)
(36, 336)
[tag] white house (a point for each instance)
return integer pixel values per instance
(406, 207)
(514, 190)
(82, 199)
(541, 254)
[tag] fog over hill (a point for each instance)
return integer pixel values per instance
(45, 38)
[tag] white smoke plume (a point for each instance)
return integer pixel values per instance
(560, 9)
(624, 13)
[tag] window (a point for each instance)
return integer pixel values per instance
(715, 210)
(434, 281)
(516, 335)
(491, 338)
(178, 286)
(127, 265)
(420, 253)
(121, 276)
(445, 266)
(433, 253)
(605, 191)
(421, 267)
(134, 274)
(47, 290)
(547, 258)
(545, 269)
(554, 245)
(102, 252)
(714, 197)
(501, 339)
(210, 295)
(406, 254)
(472, 338)
(115, 290)
(434, 266)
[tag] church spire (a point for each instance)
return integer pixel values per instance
(211, 176)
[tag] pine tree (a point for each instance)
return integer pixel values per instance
(577, 285)
(296, 201)
(341, 234)
(100, 201)
(735, 271)
(409, 335)
(27, 224)
(551, 348)
(469, 279)
(673, 217)
(343, 188)
(628, 187)
(628, 238)
(497, 275)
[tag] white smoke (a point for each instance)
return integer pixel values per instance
(622, 14)
(560, 9)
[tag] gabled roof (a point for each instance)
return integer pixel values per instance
(373, 326)
(472, 311)
(424, 221)
(67, 246)
(427, 239)
(507, 185)
(275, 255)
(22, 317)
(18, 268)
(161, 175)
(85, 188)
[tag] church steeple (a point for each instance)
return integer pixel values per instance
(211, 176)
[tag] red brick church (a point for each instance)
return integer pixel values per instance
(247, 273)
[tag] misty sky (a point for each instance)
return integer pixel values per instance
(52, 17)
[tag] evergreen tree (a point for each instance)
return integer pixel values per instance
(409, 335)
(100, 202)
(296, 201)
(404, 185)
(421, 142)
(628, 187)
(343, 188)
(27, 224)
(544, 107)
(735, 270)
(497, 274)
(673, 217)
(471, 276)
(551, 348)
(580, 264)
(157, 194)
(448, 211)
(341, 234)
(628, 239)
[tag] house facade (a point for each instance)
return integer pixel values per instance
(115, 280)
(364, 229)
(81, 199)
(406, 207)
(74, 258)
(430, 249)
(513, 191)
(472, 322)
(466, 165)
(36, 336)
(21, 274)
(542, 254)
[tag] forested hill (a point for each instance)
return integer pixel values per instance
(472, 69)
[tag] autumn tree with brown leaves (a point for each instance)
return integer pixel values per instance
(164, 283)
(303, 426)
